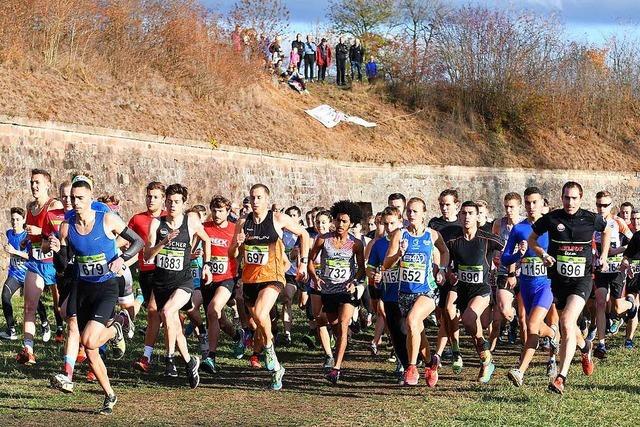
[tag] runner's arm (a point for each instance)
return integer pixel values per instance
(151, 249)
(359, 253)
(393, 254)
(290, 224)
(315, 250)
(234, 248)
(116, 225)
(439, 243)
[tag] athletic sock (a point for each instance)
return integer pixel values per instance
(238, 335)
(147, 352)
(139, 298)
(455, 347)
(69, 365)
(585, 348)
(28, 343)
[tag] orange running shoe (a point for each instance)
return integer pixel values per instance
(411, 375)
(25, 357)
(142, 364)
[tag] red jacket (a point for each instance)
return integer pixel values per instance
(320, 60)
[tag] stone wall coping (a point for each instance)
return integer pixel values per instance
(192, 143)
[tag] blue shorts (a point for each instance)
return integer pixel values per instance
(46, 270)
(536, 295)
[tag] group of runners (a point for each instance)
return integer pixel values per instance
(562, 280)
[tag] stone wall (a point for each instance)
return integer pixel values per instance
(123, 162)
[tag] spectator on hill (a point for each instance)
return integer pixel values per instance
(236, 39)
(275, 49)
(263, 45)
(342, 53)
(298, 43)
(356, 56)
(323, 59)
(294, 58)
(309, 58)
(295, 81)
(372, 70)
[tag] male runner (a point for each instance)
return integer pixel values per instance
(291, 249)
(629, 269)
(258, 237)
(169, 243)
(40, 269)
(626, 210)
(472, 254)
(569, 266)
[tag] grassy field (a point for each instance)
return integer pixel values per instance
(367, 396)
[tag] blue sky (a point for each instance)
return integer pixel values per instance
(590, 20)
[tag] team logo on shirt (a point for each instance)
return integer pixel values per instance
(560, 227)
(164, 232)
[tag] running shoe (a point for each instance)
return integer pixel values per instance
(46, 332)
(431, 372)
(59, 336)
(118, 346)
(10, 334)
(254, 361)
(270, 358)
(600, 351)
(587, 361)
(545, 344)
(614, 328)
(552, 369)
(411, 375)
(392, 357)
(447, 354)
(91, 376)
(108, 404)
(192, 371)
(457, 364)
(240, 345)
(332, 341)
(628, 344)
(287, 340)
(62, 382)
(82, 356)
(591, 335)
(373, 348)
(516, 377)
(557, 385)
(142, 364)
(328, 363)
(276, 378)
(308, 341)
(127, 323)
(399, 373)
(25, 357)
(209, 366)
(333, 376)
(170, 369)
(487, 367)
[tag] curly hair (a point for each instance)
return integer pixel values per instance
(347, 207)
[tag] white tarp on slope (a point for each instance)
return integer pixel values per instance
(331, 117)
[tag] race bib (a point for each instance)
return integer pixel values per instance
(635, 266)
(533, 267)
(413, 272)
(571, 266)
(37, 254)
(614, 263)
(256, 255)
(219, 264)
(195, 269)
(337, 269)
(391, 276)
(92, 265)
(472, 274)
(170, 259)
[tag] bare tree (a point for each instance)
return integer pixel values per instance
(268, 17)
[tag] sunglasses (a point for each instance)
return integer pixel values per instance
(603, 205)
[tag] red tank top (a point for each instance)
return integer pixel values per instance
(223, 267)
(40, 220)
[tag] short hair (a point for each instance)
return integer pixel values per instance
(110, 200)
(572, 184)
(19, 211)
(418, 200)
(482, 204)
(82, 181)
(513, 196)
(174, 189)
(156, 185)
(41, 172)
(324, 212)
(627, 205)
(392, 210)
(293, 208)
(64, 184)
(470, 204)
(264, 187)
(347, 207)
(396, 196)
(218, 202)
(532, 190)
(198, 209)
(449, 192)
(602, 194)
(546, 201)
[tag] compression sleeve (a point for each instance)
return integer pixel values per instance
(634, 246)
(136, 243)
(542, 225)
(60, 259)
(508, 257)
